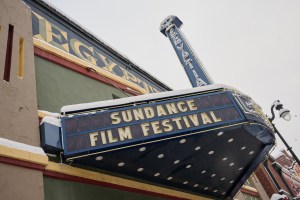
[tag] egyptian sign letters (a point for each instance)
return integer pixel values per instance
(72, 41)
(153, 121)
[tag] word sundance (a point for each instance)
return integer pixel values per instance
(156, 120)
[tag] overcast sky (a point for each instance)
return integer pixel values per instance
(251, 45)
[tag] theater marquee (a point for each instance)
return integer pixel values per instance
(110, 129)
(164, 138)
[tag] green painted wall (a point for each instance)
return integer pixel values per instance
(56, 189)
(58, 86)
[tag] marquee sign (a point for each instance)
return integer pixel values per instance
(147, 122)
(164, 138)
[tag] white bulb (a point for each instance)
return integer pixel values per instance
(285, 114)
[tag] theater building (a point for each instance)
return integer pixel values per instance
(81, 121)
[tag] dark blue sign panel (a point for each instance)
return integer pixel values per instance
(146, 123)
(189, 61)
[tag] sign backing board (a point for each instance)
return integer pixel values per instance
(148, 122)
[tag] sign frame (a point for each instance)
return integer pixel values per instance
(155, 138)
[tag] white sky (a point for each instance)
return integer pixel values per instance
(251, 45)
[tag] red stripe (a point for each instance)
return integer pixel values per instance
(82, 180)
(109, 185)
(249, 192)
(21, 163)
(77, 68)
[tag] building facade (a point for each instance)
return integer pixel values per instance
(49, 61)
(280, 172)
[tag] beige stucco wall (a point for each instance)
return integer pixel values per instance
(20, 183)
(18, 104)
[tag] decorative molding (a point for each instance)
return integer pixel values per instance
(23, 152)
(67, 172)
(86, 67)
(251, 108)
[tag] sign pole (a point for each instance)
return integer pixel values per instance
(191, 64)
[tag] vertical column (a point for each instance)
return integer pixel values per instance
(191, 64)
(20, 176)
